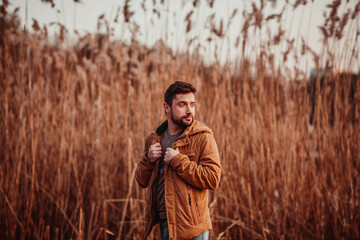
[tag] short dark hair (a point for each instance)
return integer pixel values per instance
(176, 88)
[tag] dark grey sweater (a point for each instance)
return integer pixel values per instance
(166, 142)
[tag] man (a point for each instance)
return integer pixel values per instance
(180, 163)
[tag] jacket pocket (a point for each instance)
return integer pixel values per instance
(192, 205)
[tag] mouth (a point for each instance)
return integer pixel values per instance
(189, 118)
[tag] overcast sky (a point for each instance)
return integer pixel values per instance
(300, 23)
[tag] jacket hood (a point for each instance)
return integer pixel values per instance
(195, 128)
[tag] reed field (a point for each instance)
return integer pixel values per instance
(74, 117)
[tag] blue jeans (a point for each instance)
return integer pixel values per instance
(164, 232)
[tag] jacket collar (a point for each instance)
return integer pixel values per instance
(162, 128)
(194, 128)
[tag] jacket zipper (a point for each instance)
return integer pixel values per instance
(192, 208)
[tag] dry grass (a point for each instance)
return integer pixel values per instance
(74, 119)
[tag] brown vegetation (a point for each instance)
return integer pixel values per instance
(73, 121)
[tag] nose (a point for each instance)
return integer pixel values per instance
(189, 109)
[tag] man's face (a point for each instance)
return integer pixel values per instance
(182, 111)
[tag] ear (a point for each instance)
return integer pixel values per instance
(166, 108)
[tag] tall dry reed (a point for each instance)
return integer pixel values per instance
(74, 119)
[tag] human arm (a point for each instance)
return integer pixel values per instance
(206, 173)
(152, 152)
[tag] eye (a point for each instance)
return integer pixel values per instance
(181, 104)
(192, 105)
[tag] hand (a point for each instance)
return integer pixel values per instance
(154, 152)
(170, 154)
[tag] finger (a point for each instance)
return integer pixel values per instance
(156, 145)
(157, 150)
(157, 155)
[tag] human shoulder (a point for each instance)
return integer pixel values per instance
(151, 139)
(203, 138)
(200, 128)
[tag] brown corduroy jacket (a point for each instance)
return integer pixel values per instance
(187, 180)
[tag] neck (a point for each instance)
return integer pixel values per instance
(173, 128)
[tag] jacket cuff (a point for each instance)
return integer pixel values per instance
(146, 161)
(175, 161)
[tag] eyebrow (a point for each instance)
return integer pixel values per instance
(185, 102)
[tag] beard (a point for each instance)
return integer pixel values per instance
(181, 120)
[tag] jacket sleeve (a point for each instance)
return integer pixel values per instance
(145, 167)
(206, 173)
